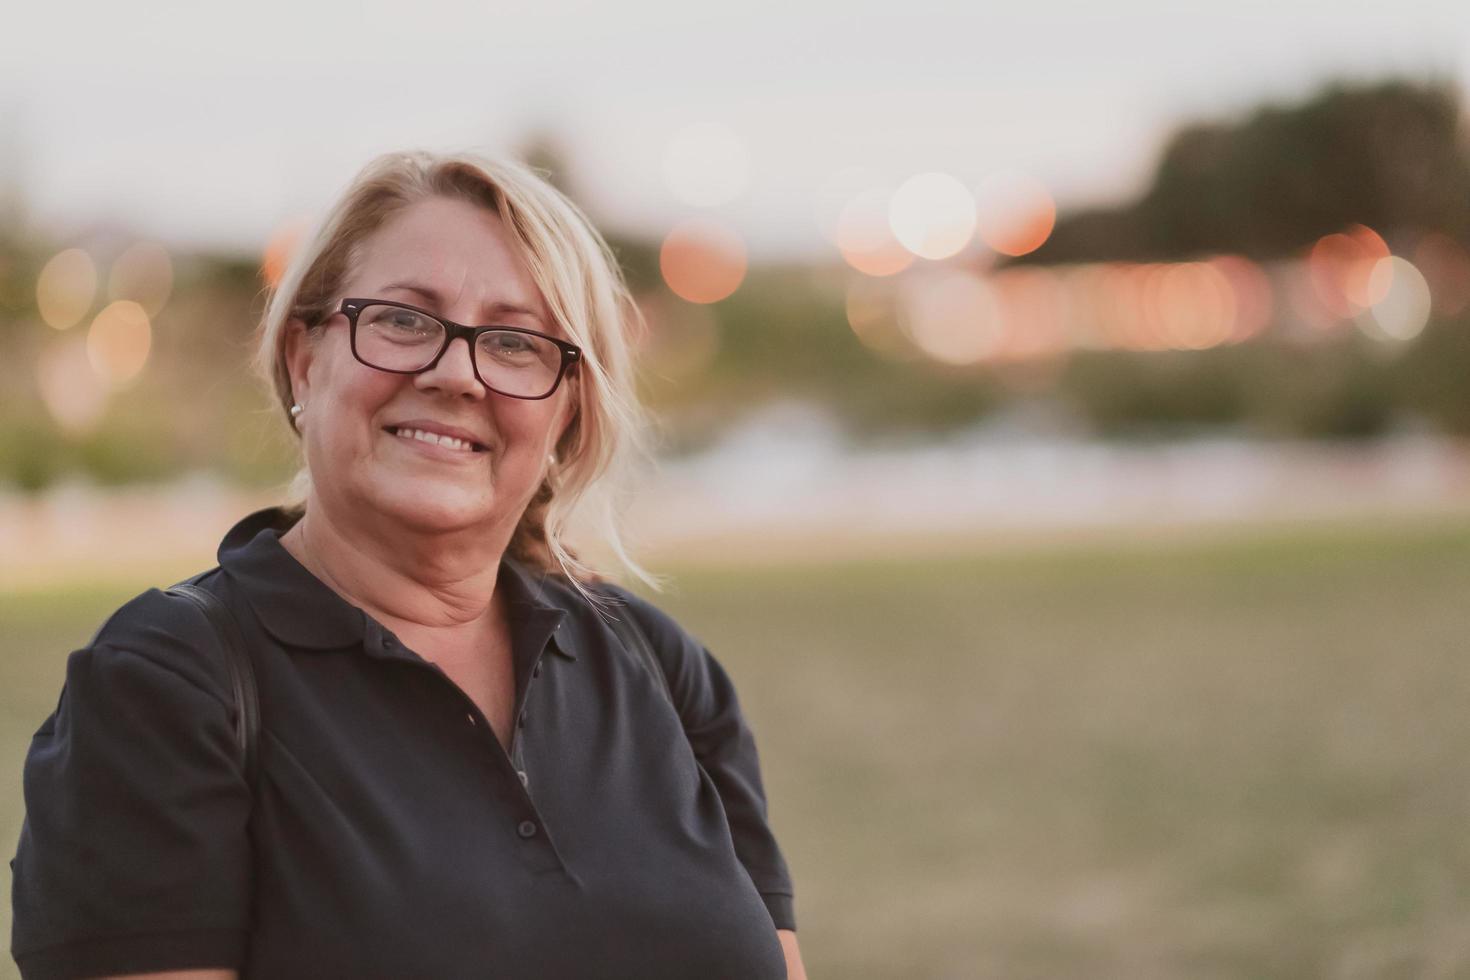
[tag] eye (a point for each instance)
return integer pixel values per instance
(405, 321)
(396, 325)
(509, 347)
(503, 342)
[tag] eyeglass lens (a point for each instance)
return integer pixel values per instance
(394, 338)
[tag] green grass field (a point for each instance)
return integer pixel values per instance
(1202, 757)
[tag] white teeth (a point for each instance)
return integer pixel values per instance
(448, 442)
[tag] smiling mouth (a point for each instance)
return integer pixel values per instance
(448, 442)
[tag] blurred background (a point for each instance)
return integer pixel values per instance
(1062, 420)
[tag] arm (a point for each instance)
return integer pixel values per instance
(724, 745)
(134, 857)
(795, 969)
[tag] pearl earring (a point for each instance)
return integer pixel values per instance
(296, 411)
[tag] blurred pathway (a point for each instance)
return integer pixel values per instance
(773, 494)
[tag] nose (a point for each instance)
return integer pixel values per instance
(454, 374)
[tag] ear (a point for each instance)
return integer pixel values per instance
(299, 351)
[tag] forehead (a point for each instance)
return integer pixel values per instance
(460, 251)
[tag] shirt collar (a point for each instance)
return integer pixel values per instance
(301, 610)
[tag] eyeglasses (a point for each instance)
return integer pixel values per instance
(404, 339)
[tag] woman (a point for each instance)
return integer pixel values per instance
(462, 771)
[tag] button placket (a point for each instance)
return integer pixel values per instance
(517, 755)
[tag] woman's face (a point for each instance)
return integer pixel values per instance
(457, 260)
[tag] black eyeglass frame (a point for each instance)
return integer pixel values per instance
(571, 354)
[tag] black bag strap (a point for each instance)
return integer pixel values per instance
(633, 637)
(241, 669)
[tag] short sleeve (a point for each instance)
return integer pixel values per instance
(725, 746)
(134, 853)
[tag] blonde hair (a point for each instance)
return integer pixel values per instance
(583, 287)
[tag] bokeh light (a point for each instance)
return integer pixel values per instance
(1016, 213)
(1403, 302)
(118, 342)
(1250, 289)
(1341, 269)
(1081, 294)
(865, 237)
(70, 389)
(706, 165)
(144, 274)
(1033, 312)
(1116, 305)
(1103, 302)
(65, 288)
(951, 316)
(932, 215)
(702, 261)
(1196, 306)
(873, 313)
(278, 251)
(1151, 324)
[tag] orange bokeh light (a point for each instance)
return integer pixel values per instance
(1114, 306)
(702, 261)
(865, 237)
(1195, 306)
(118, 342)
(1140, 284)
(1251, 288)
(279, 251)
(1341, 270)
(1017, 214)
(1084, 295)
(1033, 310)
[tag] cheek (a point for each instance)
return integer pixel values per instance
(344, 414)
(531, 428)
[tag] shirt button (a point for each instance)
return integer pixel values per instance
(526, 829)
(525, 780)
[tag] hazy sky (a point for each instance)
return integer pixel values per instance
(206, 123)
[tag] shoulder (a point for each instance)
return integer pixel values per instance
(662, 630)
(598, 622)
(698, 682)
(159, 631)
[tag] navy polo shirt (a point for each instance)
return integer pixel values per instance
(389, 833)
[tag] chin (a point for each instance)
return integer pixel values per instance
(430, 509)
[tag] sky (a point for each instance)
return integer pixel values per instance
(213, 125)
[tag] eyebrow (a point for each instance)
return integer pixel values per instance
(429, 293)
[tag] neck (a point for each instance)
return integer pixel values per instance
(408, 580)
